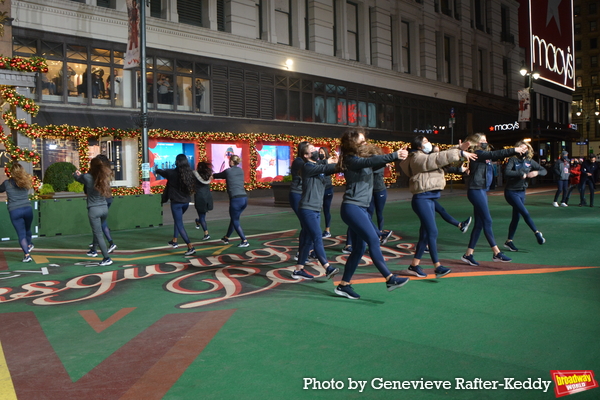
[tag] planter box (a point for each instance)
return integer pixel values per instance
(7, 231)
(281, 193)
(68, 216)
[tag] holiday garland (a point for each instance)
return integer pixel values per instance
(84, 134)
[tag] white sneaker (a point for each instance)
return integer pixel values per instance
(555, 204)
(564, 205)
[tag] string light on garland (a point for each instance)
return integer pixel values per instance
(33, 64)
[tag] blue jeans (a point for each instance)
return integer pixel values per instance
(362, 233)
(483, 219)
(444, 214)
(327, 199)
(236, 207)
(563, 186)
(178, 209)
(295, 204)
(428, 232)
(587, 183)
(21, 219)
(311, 224)
(516, 198)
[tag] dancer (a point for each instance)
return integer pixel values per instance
(481, 174)
(462, 226)
(518, 169)
(589, 172)
(238, 199)
(357, 162)
(296, 189)
(203, 201)
(426, 181)
(313, 187)
(327, 195)
(181, 183)
(378, 201)
(19, 208)
(97, 187)
(109, 200)
(562, 170)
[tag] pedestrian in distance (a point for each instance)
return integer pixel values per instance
(357, 162)
(589, 175)
(19, 208)
(203, 200)
(574, 180)
(426, 181)
(238, 199)
(97, 187)
(181, 183)
(518, 170)
(562, 170)
(481, 175)
(309, 210)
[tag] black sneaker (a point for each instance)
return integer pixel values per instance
(190, 252)
(27, 258)
(206, 237)
(30, 247)
(395, 282)
(540, 238)
(464, 226)
(426, 251)
(326, 234)
(301, 274)
(244, 244)
(417, 270)
(347, 250)
(441, 271)
(500, 257)
(510, 245)
(225, 240)
(346, 291)
(174, 244)
(469, 259)
(106, 261)
(385, 237)
(197, 223)
(92, 253)
(312, 256)
(330, 272)
(112, 248)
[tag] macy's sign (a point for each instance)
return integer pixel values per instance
(505, 127)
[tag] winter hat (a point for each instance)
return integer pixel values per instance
(565, 153)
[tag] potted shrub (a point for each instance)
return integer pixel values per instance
(60, 176)
(281, 191)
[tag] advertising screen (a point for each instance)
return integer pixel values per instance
(163, 154)
(273, 161)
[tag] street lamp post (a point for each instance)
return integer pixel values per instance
(531, 75)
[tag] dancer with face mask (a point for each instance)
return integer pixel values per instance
(357, 161)
(426, 181)
(327, 195)
(518, 169)
(481, 175)
(309, 210)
